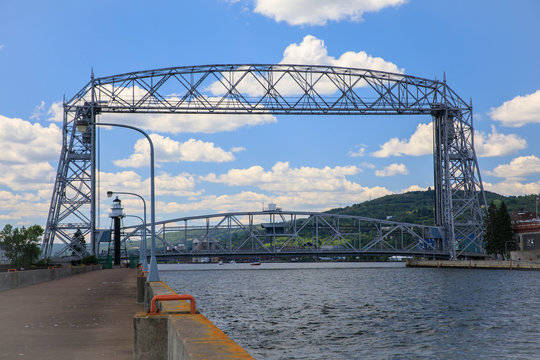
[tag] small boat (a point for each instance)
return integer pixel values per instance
(256, 263)
(220, 262)
(233, 262)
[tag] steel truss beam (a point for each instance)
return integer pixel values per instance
(282, 90)
(293, 232)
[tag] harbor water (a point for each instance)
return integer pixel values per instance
(367, 310)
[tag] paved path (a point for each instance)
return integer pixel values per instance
(86, 316)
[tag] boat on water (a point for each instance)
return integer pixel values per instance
(256, 263)
(232, 262)
(220, 262)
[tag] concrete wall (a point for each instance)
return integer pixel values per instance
(18, 279)
(529, 255)
(176, 334)
(475, 264)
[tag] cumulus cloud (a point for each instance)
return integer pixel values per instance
(392, 170)
(284, 178)
(251, 201)
(513, 187)
(319, 12)
(518, 167)
(415, 188)
(497, 144)
(56, 112)
(26, 152)
(311, 51)
(22, 142)
(182, 184)
(519, 111)
(421, 143)
(169, 150)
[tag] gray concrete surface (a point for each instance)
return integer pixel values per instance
(88, 316)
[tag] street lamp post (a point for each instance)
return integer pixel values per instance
(153, 274)
(142, 248)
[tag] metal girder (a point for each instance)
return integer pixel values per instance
(295, 232)
(283, 90)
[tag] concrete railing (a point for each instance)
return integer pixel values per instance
(175, 333)
(18, 279)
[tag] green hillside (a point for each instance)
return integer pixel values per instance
(418, 206)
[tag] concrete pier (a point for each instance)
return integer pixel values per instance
(88, 316)
(475, 264)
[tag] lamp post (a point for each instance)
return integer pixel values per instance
(82, 125)
(506, 249)
(142, 248)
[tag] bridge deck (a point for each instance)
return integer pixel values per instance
(88, 316)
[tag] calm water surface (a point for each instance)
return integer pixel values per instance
(364, 311)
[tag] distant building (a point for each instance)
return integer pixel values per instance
(526, 227)
(3, 257)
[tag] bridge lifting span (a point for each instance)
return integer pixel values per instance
(271, 89)
(292, 233)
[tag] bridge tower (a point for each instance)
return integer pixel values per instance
(278, 89)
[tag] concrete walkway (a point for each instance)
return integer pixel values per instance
(86, 316)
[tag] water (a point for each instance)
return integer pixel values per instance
(361, 311)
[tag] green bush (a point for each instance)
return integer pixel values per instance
(89, 260)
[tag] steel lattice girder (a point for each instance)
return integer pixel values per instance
(278, 89)
(294, 232)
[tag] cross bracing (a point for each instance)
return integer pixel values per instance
(273, 89)
(278, 233)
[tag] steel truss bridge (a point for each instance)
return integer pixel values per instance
(291, 233)
(249, 89)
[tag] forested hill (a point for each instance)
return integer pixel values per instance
(418, 206)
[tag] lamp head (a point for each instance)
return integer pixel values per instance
(110, 193)
(81, 124)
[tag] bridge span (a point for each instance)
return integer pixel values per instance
(292, 233)
(284, 90)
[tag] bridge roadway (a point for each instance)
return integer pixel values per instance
(88, 316)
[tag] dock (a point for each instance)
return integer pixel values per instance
(88, 316)
(475, 264)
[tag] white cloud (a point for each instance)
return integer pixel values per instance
(415, 188)
(282, 178)
(169, 150)
(513, 187)
(166, 184)
(56, 112)
(26, 153)
(311, 51)
(319, 12)
(421, 143)
(518, 167)
(497, 144)
(519, 111)
(392, 170)
(2, 46)
(358, 153)
(252, 201)
(188, 123)
(22, 142)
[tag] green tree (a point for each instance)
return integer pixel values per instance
(78, 242)
(21, 245)
(498, 229)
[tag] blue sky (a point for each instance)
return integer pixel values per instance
(487, 49)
